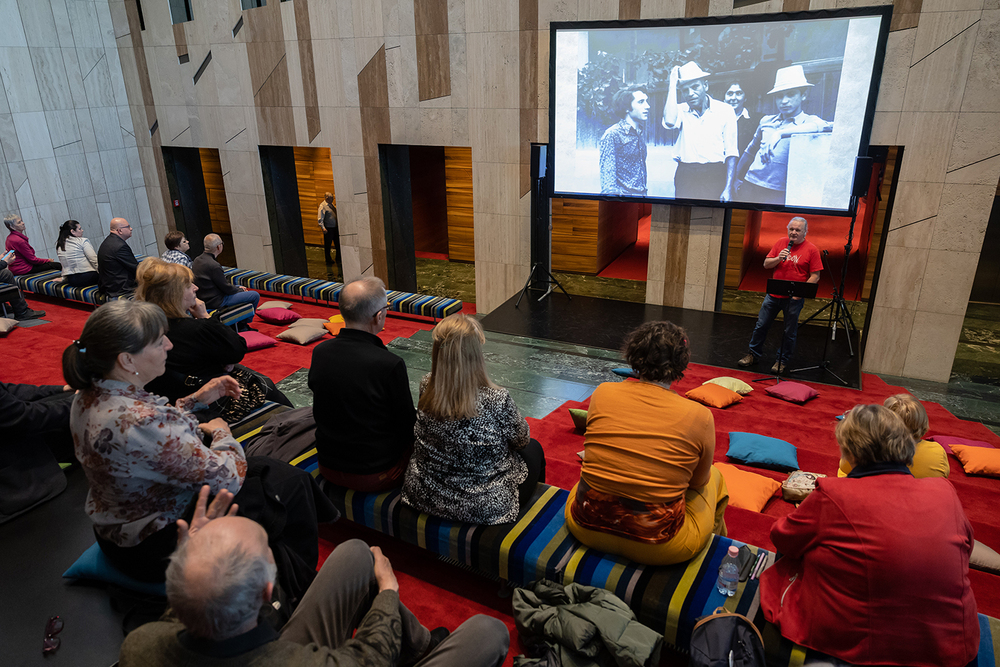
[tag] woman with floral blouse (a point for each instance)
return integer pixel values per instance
(145, 459)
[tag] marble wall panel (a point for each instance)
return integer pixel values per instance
(947, 282)
(924, 135)
(936, 82)
(913, 214)
(10, 19)
(85, 125)
(46, 186)
(495, 133)
(928, 356)
(884, 128)
(960, 225)
(8, 139)
(97, 179)
(490, 16)
(18, 79)
(8, 200)
(888, 340)
(84, 23)
(74, 173)
(116, 170)
(50, 77)
(73, 85)
(84, 211)
(668, 9)
(597, 10)
(901, 277)
(97, 83)
(985, 67)
(33, 135)
(37, 21)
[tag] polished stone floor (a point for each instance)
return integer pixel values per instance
(541, 375)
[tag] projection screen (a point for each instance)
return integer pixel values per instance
(762, 112)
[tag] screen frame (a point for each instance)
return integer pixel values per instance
(883, 11)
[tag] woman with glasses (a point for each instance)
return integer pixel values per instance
(472, 459)
(24, 261)
(77, 256)
(146, 459)
(203, 347)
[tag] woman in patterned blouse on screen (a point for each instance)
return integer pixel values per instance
(146, 460)
(472, 458)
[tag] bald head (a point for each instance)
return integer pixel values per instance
(213, 244)
(360, 301)
(219, 578)
(120, 227)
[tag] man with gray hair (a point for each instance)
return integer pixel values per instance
(213, 288)
(361, 397)
(221, 581)
(116, 263)
(792, 258)
(331, 234)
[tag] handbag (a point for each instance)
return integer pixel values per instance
(254, 388)
(799, 485)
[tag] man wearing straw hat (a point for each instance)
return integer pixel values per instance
(764, 165)
(706, 145)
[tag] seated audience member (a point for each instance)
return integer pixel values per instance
(17, 302)
(929, 458)
(361, 397)
(216, 290)
(220, 584)
(24, 261)
(875, 566)
(77, 256)
(145, 459)
(648, 490)
(34, 425)
(203, 347)
(177, 247)
(116, 263)
(472, 458)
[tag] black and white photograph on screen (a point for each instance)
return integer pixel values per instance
(767, 113)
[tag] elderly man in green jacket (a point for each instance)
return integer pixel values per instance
(223, 573)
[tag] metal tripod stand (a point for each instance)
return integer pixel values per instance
(547, 280)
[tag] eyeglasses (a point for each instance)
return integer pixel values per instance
(51, 643)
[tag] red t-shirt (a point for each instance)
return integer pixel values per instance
(803, 260)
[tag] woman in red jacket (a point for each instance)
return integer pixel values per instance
(875, 566)
(24, 260)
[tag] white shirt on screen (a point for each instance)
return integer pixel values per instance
(708, 138)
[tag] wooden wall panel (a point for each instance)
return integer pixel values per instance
(433, 52)
(574, 235)
(373, 95)
(735, 257)
(314, 176)
(458, 190)
(218, 208)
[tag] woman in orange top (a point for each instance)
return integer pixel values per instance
(648, 490)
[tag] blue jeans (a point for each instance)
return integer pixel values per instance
(249, 296)
(768, 311)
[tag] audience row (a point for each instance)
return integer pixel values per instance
(861, 580)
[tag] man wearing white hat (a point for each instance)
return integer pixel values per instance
(706, 145)
(764, 165)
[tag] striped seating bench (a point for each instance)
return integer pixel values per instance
(45, 283)
(668, 599)
(436, 307)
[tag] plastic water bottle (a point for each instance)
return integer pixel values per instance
(729, 573)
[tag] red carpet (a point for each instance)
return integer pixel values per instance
(633, 262)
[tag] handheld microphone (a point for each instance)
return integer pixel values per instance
(789, 249)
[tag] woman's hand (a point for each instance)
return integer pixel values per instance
(216, 388)
(217, 424)
(199, 311)
(385, 578)
(202, 517)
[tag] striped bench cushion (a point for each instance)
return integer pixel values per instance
(44, 283)
(437, 307)
(667, 599)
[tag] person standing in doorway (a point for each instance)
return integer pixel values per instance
(331, 233)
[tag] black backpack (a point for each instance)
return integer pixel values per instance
(725, 639)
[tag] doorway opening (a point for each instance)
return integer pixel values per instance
(194, 178)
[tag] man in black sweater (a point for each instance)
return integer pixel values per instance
(361, 397)
(213, 287)
(34, 429)
(116, 263)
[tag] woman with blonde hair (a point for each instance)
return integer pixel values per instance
(472, 458)
(875, 566)
(203, 347)
(929, 458)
